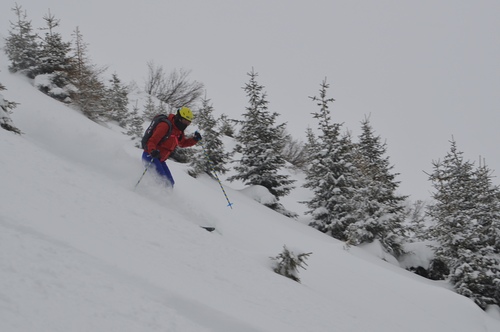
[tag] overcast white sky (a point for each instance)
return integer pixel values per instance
(424, 70)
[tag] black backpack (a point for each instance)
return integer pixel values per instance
(156, 120)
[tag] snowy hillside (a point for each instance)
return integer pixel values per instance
(81, 250)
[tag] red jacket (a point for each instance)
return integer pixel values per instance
(168, 146)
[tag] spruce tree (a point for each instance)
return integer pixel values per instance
(212, 158)
(116, 102)
(416, 222)
(226, 127)
(261, 143)
(477, 272)
(55, 60)
(288, 263)
(6, 108)
(134, 125)
(380, 209)
(488, 210)
(312, 145)
(467, 214)
(21, 45)
(54, 53)
(151, 109)
(332, 174)
(162, 108)
(452, 179)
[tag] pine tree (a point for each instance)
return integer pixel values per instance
(380, 209)
(467, 215)
(312, 146)
(54, 54)
(162, 108)
(6, 108)
(226, 128)
(416, 221)
(331, 175)
(477, 272)
(452, 179)
(116, 102)
(134, 125)
(488, 210)
(288, 263)
(89, 92)
(55, 60)
(212, 158)
(260, 142)
(150, 109)
(21, 45)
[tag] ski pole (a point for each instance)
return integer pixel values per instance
(212, 169)
(145, 170)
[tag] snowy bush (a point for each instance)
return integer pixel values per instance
(47, 83)
(288, 263)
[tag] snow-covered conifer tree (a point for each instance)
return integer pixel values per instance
(312, 145)
(55, 61)
(380, 209)
(134, 125)
(5, 110)
(261, 142)
(116, 102)
(488, 209)
(54, 53)
(467, 214)
(212, 158)
(417, 223)
(452, 179)
(477, 272)
(332, 174)
(21, 45)
(226, 127)
(151, 109)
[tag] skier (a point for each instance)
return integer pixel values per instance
(164, 140)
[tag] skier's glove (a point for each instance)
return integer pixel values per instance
(155, 154)
(197, 136)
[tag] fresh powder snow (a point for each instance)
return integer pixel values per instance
(82, 250)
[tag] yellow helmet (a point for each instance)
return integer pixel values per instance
(185, 113)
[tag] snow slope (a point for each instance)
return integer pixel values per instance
(81, 250)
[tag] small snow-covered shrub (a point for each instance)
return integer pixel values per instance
(288, 263)
(54, 85)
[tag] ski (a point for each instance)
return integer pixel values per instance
(210, 229)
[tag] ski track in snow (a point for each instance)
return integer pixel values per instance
(98, 284)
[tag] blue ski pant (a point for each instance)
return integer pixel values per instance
(161, 168)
